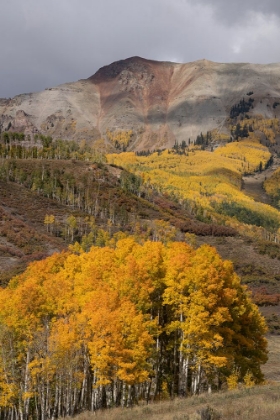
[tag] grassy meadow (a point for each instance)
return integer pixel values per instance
(258, 403)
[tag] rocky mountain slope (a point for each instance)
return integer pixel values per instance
(160, 101)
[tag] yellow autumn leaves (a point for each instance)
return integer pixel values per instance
(90, 329)
(120, 139)
(204, 181)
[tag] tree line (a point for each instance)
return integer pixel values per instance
(18, 146)
(242, 107)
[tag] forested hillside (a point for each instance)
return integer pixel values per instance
(56, 193)
(69, 194)
(210, 182)
(131, 303)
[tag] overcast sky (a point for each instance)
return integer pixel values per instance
(47, 42)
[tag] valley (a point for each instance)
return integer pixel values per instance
(253, 184)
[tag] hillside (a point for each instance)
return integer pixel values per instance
(225, 186)
(89, 203)
(106, 182)
(259, 403)
(159, 101)
(47, 204)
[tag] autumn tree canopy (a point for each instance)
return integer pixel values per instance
(114, 325)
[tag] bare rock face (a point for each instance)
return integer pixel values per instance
(22, 123)
(160, 101)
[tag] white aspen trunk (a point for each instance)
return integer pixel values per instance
(26, 379)
(128, 402)
(59, 398)
(186, 369)
(74, 401)
(43, 404)
(198, 378)
(47, 397)
(194, 379)
(83, 390)
(36, 407)
(20, 411)
(123, 394)
(55, 401)
(93, 392)
(114, 392)
(68, 400)
(93, 401)
(181, 376)
(157, 359)
(194, 384)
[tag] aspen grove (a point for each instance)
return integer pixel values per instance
(123, 324)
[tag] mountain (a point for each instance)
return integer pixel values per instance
(159, 101)
(122, 221)
(54, 193)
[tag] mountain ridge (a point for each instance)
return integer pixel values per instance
(161, 102)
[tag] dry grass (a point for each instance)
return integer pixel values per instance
(258, 403)
(271, 369)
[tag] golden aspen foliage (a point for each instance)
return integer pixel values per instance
(209, 184)
(248, 380)
(250, 151)
(49, 221)
(118, 324)
(232, 379)
(218, 136)
(271, 185)
(120, 139)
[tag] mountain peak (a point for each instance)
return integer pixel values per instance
(159, 101)
(134, 64)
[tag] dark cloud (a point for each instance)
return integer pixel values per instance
(233, 11)
(45, 43)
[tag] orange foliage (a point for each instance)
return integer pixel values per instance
(81, 322)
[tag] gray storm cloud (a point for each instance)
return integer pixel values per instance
(45, 43)
(238, 10)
